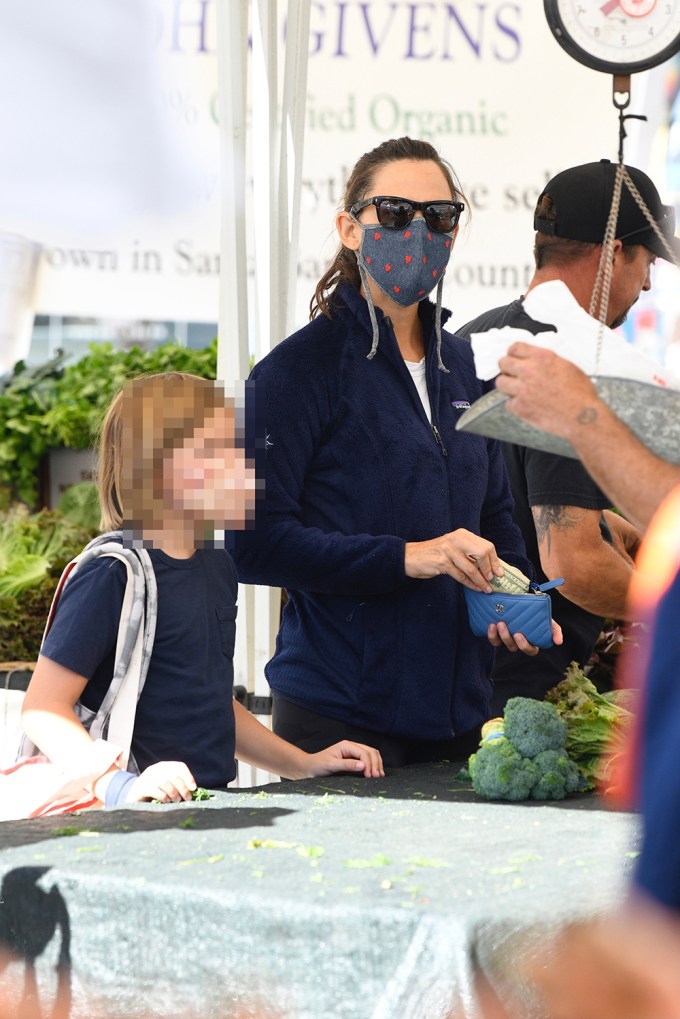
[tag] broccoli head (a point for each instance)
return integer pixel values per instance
(557, 775)
(533, 726)
(498, 772)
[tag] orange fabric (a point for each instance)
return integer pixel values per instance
(659, 557)
(656, 566)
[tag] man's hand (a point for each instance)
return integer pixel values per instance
(546, 390)
(626, 537)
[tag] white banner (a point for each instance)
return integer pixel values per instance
(484, 81)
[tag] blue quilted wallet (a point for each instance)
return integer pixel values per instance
(529, 614)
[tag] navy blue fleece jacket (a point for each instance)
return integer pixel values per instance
(354, 470)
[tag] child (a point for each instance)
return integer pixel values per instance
(172, 470)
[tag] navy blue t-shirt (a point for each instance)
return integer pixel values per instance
(185, 712)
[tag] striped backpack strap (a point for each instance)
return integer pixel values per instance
(114, 721)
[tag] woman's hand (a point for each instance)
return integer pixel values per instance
(465, 556)
(500, 636)
(346, 756)
(167, 781)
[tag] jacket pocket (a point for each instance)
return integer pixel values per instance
(226, 622)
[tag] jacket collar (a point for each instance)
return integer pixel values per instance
(349, 302)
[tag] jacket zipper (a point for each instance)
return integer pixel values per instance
(438, 438)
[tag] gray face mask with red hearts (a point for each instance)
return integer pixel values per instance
(406, 264)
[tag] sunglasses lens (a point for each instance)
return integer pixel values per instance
(442, 217)
(394, 214)
(397, 213)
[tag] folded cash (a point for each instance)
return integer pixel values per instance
(513, 580)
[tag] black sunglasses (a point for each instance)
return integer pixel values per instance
(396, 213)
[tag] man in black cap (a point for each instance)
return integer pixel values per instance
(555, 396)
(565, 518)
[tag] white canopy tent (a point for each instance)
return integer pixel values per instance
(267, 228)
(85, 142)
(112, 155)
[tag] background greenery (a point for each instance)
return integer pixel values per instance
(58, 405)
(34, 548)
(62, 406)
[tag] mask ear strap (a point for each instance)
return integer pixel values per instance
(371, 308)
(438, 325)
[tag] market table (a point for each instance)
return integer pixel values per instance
(337, 897)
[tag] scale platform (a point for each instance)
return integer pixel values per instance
(651, 412)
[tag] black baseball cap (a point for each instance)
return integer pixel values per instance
(582, 196)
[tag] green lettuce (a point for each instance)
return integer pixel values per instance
(596, 724)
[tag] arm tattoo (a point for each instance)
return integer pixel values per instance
(559, 517)
(587, 416)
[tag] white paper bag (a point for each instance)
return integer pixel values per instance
(576, 339)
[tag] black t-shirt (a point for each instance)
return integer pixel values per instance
(542, 479)
(185, 712)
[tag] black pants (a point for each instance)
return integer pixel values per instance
(312, 732)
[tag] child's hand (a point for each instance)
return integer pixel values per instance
(167, 781)
(346, 756)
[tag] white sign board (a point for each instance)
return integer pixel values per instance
(485, 82)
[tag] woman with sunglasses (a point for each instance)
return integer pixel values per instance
(377, 511)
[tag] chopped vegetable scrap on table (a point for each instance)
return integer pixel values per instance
(201, 794)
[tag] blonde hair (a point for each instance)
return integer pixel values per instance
(147, 419)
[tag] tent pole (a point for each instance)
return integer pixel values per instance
(232, 42)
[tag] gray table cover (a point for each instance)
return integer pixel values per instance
(337, 897)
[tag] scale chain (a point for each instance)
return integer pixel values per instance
(599, 301)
